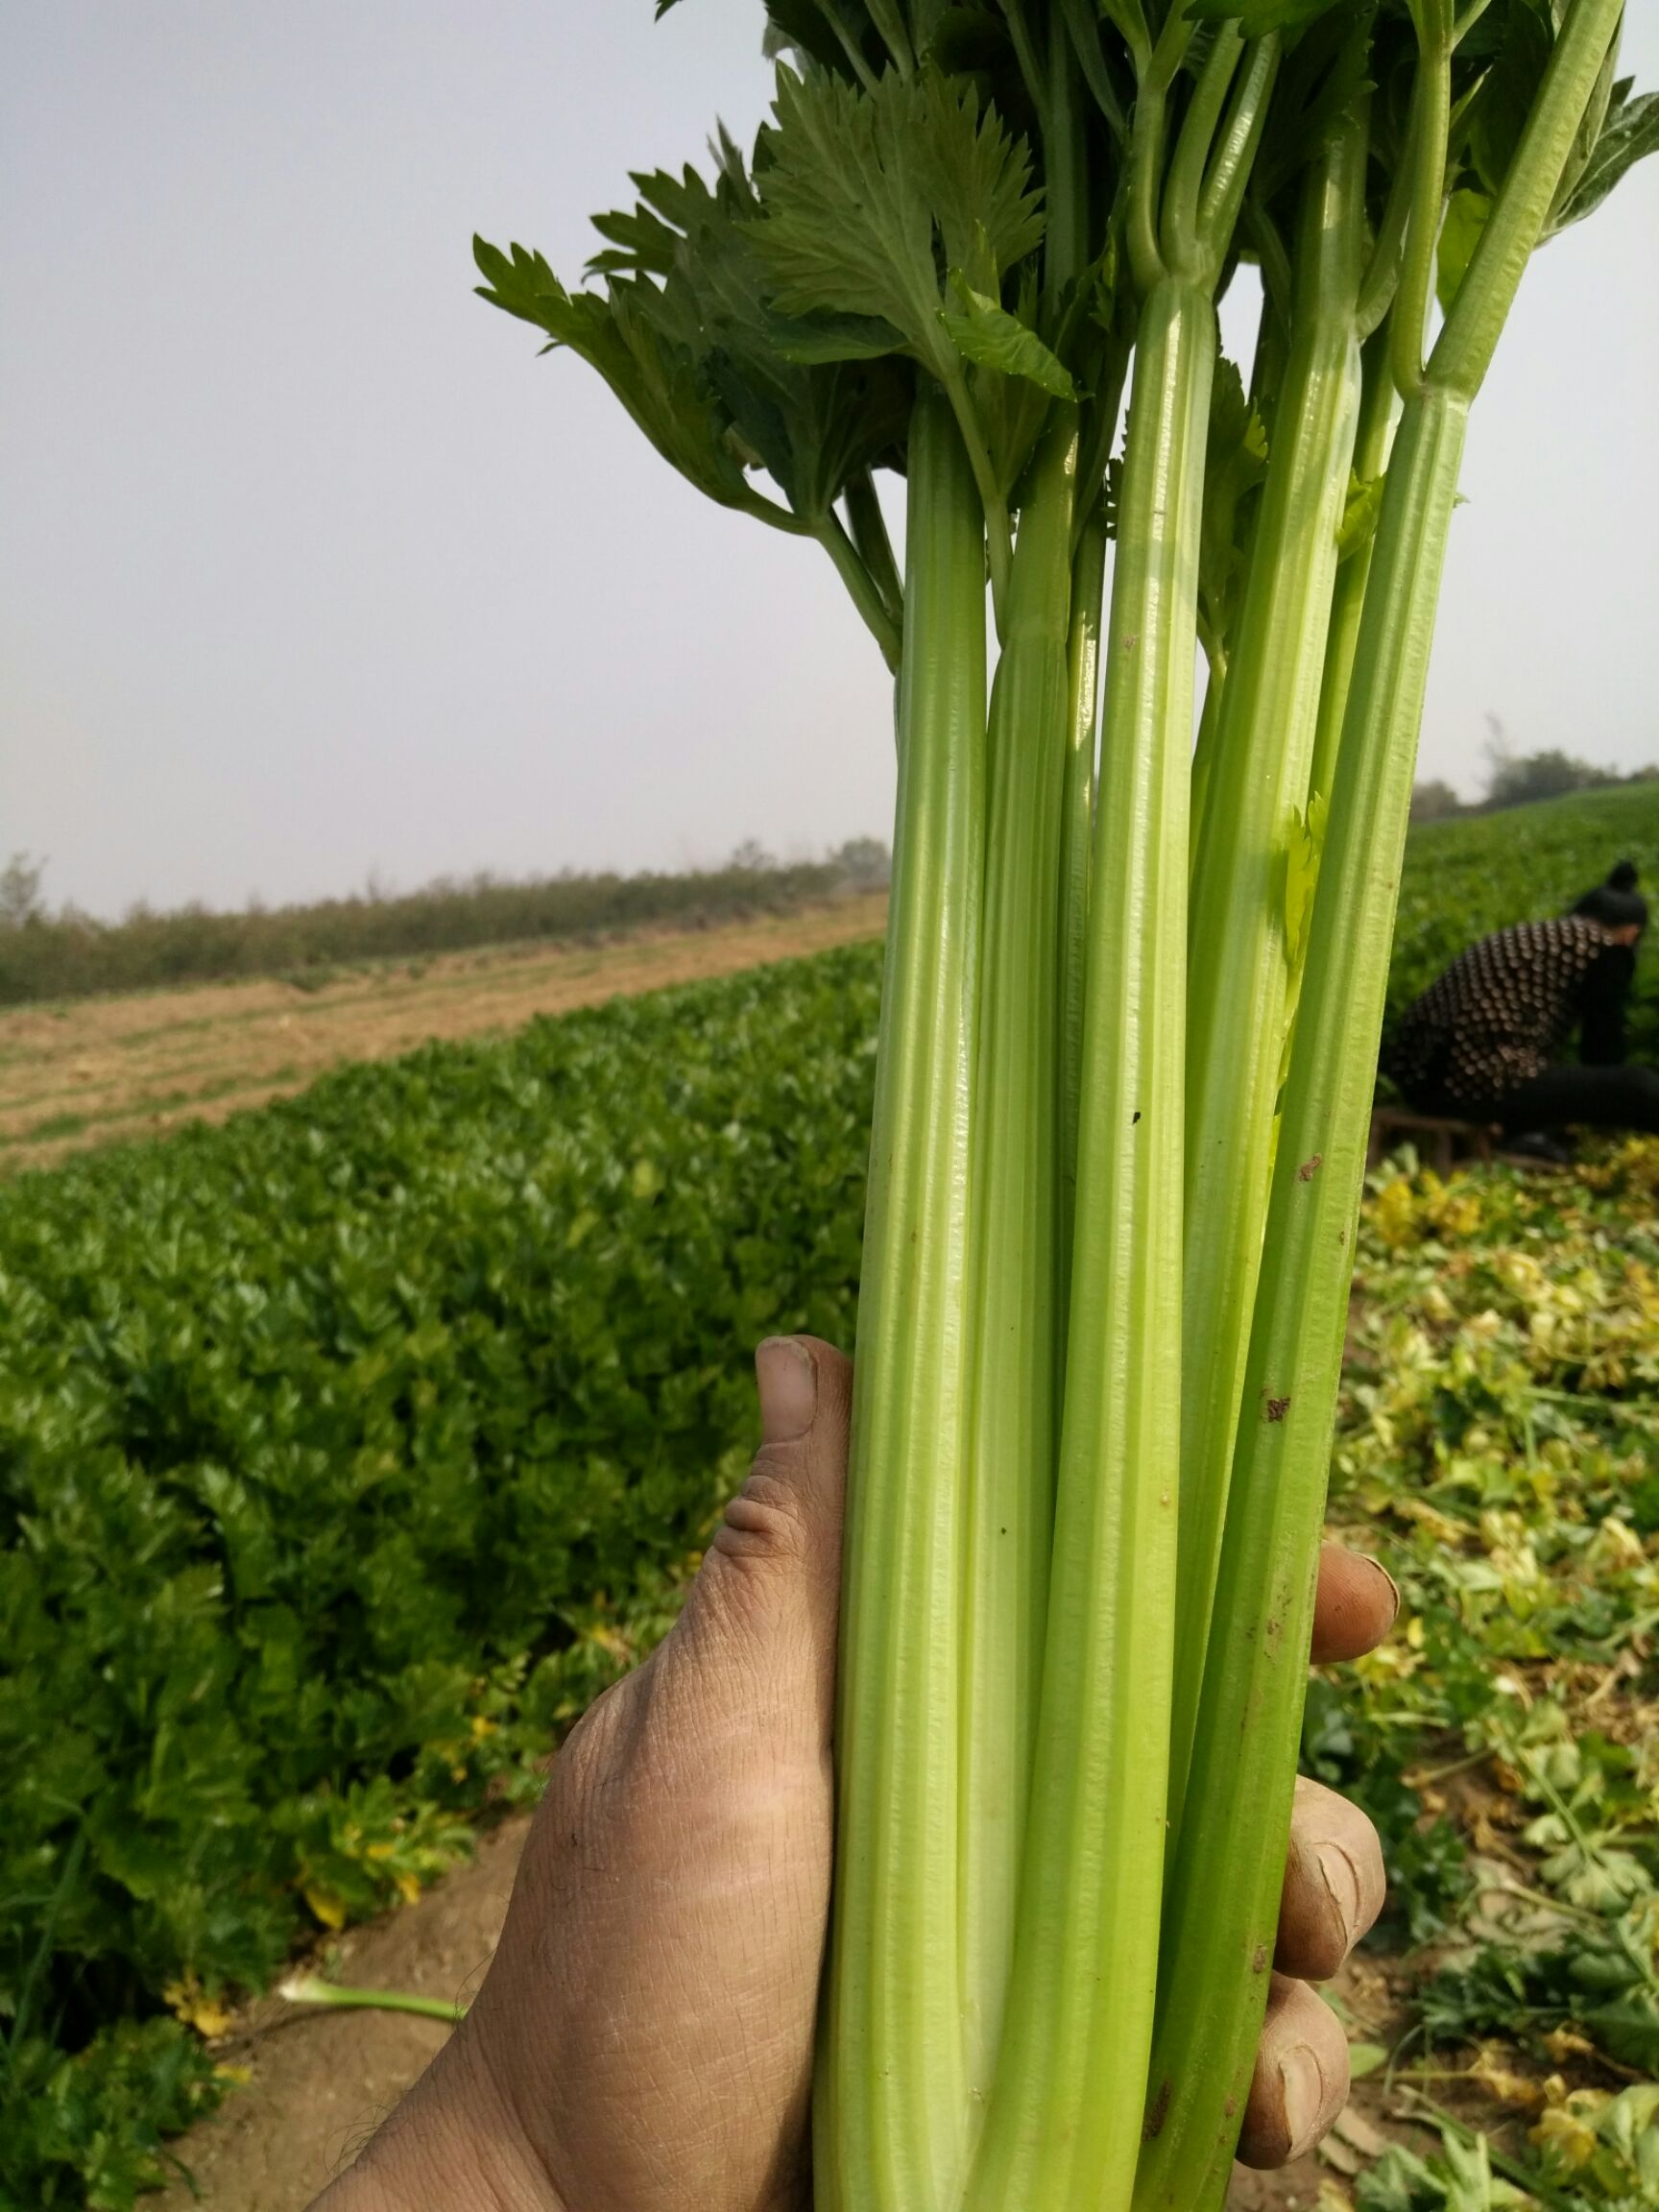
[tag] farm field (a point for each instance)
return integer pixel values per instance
(348, 1449)
(81, 1072)
(85, 1071)
(1505, 1738)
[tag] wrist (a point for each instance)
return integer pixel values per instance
(453, 2145)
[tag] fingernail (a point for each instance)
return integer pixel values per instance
(1304, 2088)
(1393, 1586)
(1342, 1879)
(788, 1386)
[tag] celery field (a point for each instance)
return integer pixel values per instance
(348, 1449)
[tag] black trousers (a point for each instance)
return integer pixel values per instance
(1562, 1098)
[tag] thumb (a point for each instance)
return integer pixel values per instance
(772, 1570)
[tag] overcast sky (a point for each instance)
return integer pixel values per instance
(310, 567)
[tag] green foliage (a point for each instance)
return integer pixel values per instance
(1591, 2152)
(1461, 2180)
(348, 1450)
(857, 188)
(989, 336)
(1629, 133)
(88, 2130)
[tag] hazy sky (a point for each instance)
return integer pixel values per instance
(310, 567)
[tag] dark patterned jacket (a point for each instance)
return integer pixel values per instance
(1504, 1009)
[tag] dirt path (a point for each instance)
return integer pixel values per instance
(319, 2082)
(94, 1071)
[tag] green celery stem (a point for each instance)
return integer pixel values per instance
(311, 1989)
(1371, 448)
(1237, 970)
(1083, 732)
(1223, 1906)
(1066, 2108)
(891, 2111)
(1221, 1913)
(1014, 1322)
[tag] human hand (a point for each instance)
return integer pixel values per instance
(643, 2040)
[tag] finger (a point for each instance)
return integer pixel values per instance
(775, 1562)
(1301, 2078)
(1354, 1606)
(1334, 1883)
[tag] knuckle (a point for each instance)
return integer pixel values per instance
(767, 1519)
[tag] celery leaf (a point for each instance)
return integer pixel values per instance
(860, 191)
(654, 382)
(989, 336)
(1629, 133)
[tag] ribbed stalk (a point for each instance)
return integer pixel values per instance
(1223, 1905)
(1014, 1309)
(1224, 1891)
(1066, 2108)
(1262, 748)
(1082, 739)
(891, 2115)
(1371, 447)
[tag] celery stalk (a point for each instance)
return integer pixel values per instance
(1014, 1307)
(1088, 604)
(1066, 2111)
(891, 2114)
(1371, 450)
(1223, 1910)
(1263, 747)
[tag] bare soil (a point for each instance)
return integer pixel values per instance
(97, 1070)
(319, 2084)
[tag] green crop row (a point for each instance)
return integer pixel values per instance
(334, 1442)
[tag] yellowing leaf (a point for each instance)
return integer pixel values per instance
(648, 1179)
(328, 1908)
(198, 2011)
(1567, 2135)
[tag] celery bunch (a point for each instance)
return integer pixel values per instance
(1133, 991)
